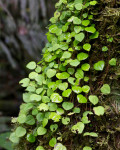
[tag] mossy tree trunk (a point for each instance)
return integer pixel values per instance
(105, 50)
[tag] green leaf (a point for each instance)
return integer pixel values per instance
(21, 118)
(76, 20)
(31, 65)
(63, 75)
(105, 89)
(87, 148)
(53, 28)
(55, 117)
(76, 110)
(31, 138)
(30, 120)
(93, 134)
(20, 131)
(66, 55)
(74, 62)
(43, 107)
(53, 127)
(99, 110)
(77, 29)
(63, 86)
(60, 111)
(80, 37)
(93, 99)
(82, 56)
(90, 29)
(52, 106)
(85, 67)
(85, 120)
(33, 75)
(40, 148)
(99, 66)
(52, 142)
(56, 98)
(85, 88)
(38, 69)
(66, 93)
(59, 146)
(35, 97)
(94, 35)
(13, 138)
(71, 71)
(81, 98)
(40, 116)
(112, 62)
(41, 131)
(45, 122)
(78, 128)
(45, 99)
(78, 6)
(26, 97)
(71, 80)
(65, 120)
(67, 105)
(85, 22)
(79, 74)
(87, 47)
(25, 82)
(51, 73)
(104, 48)
(35, 111)
(93, 3)
(77, 89)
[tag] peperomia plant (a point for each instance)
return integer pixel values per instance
(58, 95)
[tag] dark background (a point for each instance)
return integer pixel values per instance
(23, 24)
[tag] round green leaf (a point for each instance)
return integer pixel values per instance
(21, 118)
(43, 107)
(74, 62)
(87, 47)
(38, 69)
(56, 98)
(85, 67)
(78, 6)
(52, 142)
(35, 97)
(31, 65)
(77, 29)
(71, 80)
(85, 88)
(78, 128)
(82, 56)
(60, 111)
(67, 105)
(93, 99)
(77, 89)
(76, 20)
(20, 131)
(40, 148)
(53, 127)
(66, 55)
(99, 110)
(104, 48)
(40, 116)
(30, 120)
(59, 146)
(63, 86)
(41, 131)
(85, 22)
(65, 120)
(87, 148)
(105, 89)
(31, 138)
(13, 138)
(55, 117)
(25, 82)
(66, 93)
(76, 110)
(90, 29)
(51, 73)
(63, 75)
(80, 37)
(71, 71)
(52, 106)
(113, 61)
(79, 74)
(99, 66)
(93, 3)
(81, 98)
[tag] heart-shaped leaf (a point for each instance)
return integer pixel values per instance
(56, 98)
(78, 128)
(66, 93)
(112, 62)
(67, 105)
(90, 29)
(63, 75)
(20, 131)
(31, 65)
(74, 62)
(65, 120)
(99, 110)
(79, 74)
(77, 89)
(105, 89)
(87, 47)
(51, 73)
(85, 88)
(59, 146)
(52, 142)
(81, 98)
(55, 117)
(93, 99)
(85, 67)
(80, 37)
(82, 56)
(63, 86)
(41, 131)
(85, 22)
(99, 66)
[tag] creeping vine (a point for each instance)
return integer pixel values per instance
(58, 92)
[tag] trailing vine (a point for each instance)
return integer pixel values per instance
(58, 92)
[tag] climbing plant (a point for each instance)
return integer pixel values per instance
(61, 106)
